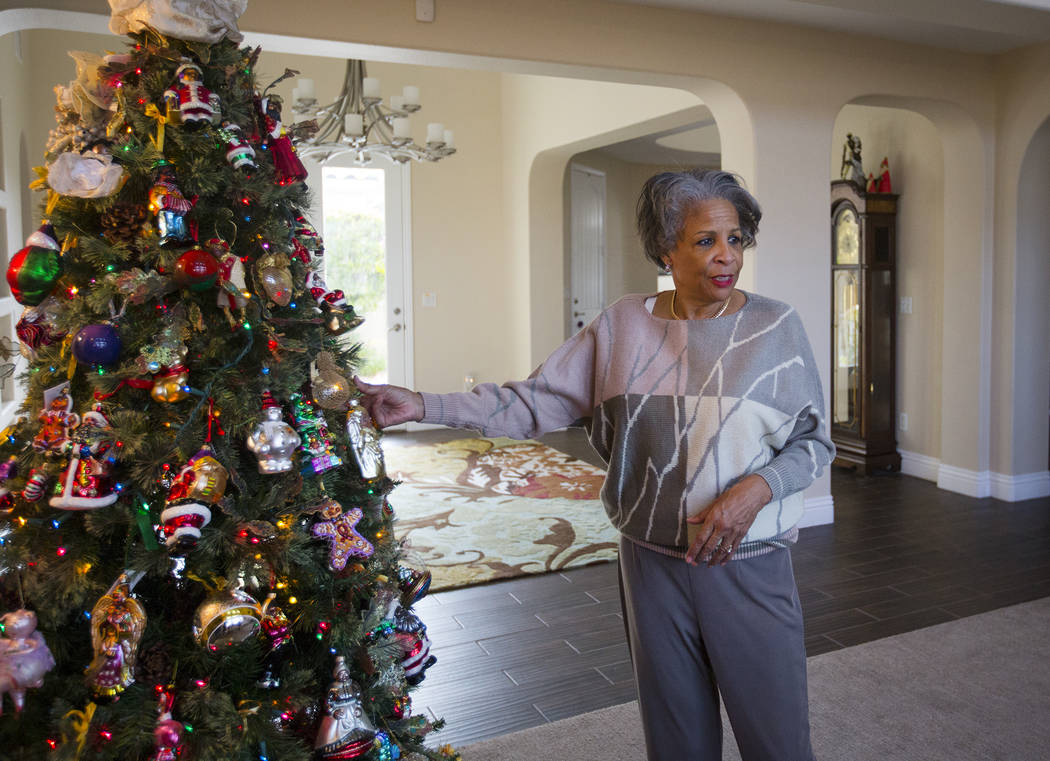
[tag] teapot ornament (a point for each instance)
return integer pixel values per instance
(227, 617)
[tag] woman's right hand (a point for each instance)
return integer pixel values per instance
(390, 405)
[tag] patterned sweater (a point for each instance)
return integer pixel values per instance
(678, 410)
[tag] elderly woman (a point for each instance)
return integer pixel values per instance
(706, 404)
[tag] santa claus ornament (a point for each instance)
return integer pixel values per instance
(195, 103)
(86, 483)
(345, 730)
(411, 635)
(200, 483)
(239, 151)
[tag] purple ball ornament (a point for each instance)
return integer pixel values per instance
(98, 344)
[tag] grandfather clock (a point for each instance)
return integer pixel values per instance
(863, 327)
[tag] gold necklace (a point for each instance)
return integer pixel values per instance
(720, 312)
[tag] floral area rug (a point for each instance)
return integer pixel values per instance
(477, 510)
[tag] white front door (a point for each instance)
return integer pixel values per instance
(365, 222)
(587, 209)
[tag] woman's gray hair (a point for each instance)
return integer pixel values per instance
(669, 197)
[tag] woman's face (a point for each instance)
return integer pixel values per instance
(706, 261)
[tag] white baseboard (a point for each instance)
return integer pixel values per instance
(919, 465)
(973, 483)
(818, 511)
(1020, 487)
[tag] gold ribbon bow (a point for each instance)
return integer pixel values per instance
(80, 722)
(155, 113)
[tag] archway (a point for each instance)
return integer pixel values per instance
(1030, 394)
(953, 225)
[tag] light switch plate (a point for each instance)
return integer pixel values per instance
(424, 10)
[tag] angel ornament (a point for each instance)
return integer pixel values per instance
(364, 440)
(117, 623)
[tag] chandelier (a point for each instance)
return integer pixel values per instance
(358, 123)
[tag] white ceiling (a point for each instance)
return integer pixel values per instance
(976, 26)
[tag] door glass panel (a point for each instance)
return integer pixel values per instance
(847, 237)
(355, 256)
(882, 304)
(846, 343)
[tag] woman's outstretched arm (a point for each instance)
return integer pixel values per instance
(390, 405)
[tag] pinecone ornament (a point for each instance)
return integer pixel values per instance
(154, 665)
(123, 222)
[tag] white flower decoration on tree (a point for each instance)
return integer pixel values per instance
(194, 20)
(84, 175)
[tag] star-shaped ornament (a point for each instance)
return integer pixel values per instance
(340, 529)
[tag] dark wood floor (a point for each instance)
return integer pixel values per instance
(901, 555)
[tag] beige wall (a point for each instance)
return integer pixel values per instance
(1021, 352)
(913, 147)
(1031, 378)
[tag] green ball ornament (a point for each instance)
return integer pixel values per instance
(34, 270)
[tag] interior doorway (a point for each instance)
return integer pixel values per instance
(587, 284)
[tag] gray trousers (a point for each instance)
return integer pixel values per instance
(697, 631)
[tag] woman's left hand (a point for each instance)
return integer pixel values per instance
(724, 523)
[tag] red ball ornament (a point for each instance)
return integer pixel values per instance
(196, 270)
(35, 269)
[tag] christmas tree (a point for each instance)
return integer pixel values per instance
(197, 553)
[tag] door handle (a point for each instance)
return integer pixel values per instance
(396, 327)
(577, 314)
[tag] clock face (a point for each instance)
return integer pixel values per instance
(847, 237)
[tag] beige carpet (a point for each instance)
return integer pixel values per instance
(977, 689)
(477, 510)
